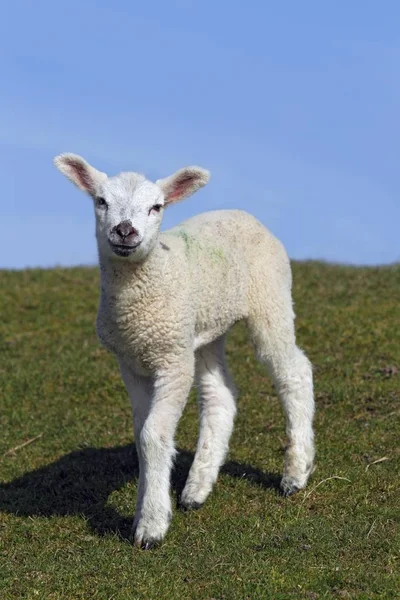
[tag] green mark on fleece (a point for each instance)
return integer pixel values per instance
(191, 243)
(217, 253)
(190, 240)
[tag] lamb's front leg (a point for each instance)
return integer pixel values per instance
(140, 393)
(153, 511)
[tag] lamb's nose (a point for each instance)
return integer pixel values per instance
(125, 228)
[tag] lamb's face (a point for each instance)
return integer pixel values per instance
(128, 207)
(128, 211)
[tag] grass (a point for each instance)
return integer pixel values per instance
(67, 498)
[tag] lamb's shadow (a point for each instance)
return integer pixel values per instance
(80, 483)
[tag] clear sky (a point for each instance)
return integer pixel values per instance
(293, 106)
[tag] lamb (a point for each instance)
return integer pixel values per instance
(167, 302)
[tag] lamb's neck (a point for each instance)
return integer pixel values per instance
(123, 278)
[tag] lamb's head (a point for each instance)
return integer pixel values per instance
(128, 207)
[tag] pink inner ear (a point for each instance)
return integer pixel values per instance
(180, 187)
(81, 174)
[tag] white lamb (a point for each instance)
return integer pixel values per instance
(167, 302)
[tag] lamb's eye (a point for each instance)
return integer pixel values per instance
(156, 208)
(101, 202)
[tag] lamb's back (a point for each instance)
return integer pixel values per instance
(226, 253)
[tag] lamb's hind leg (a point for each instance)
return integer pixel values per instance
(292, 375)
(217, 411)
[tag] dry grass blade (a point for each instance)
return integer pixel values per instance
(12, 451)
(371, 528)
(375, 462)
(317, 486)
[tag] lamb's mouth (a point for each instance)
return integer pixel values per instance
(124, 249)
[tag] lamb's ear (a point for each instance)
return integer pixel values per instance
(183, 183)
(78, 171)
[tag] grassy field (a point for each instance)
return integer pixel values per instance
(67, 498)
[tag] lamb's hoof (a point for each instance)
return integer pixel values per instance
(149, 535)
(190, 505)
(149, 544)
(289, 486)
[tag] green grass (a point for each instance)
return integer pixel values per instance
(67, 499)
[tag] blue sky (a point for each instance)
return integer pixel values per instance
(293, 106)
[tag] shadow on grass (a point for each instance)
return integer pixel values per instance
(80, 483)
